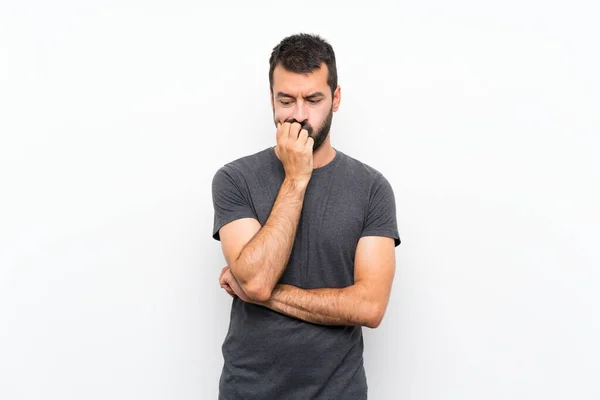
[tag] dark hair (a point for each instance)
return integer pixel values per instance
(304, 53)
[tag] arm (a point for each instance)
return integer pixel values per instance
(258, 256)
(363, 303)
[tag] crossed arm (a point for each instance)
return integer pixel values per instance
(257, 256)
(363, 303)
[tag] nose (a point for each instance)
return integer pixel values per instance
(300, 113)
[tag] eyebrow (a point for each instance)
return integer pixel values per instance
(310, 96)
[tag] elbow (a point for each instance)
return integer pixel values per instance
(375, 316)
(254, 290)
(258, 293)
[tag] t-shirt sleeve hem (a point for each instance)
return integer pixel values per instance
(392, 235)
(230, 218)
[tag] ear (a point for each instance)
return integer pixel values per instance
(337, 97)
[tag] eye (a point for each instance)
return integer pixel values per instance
(285, 103)
(314, 101)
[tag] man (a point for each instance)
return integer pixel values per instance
(308, 234)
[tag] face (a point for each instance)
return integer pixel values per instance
(306, 99)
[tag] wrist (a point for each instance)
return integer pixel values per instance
(274, 293)
(296, 184)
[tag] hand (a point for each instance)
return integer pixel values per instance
(224, 285)
(295, 150)
(231, 285)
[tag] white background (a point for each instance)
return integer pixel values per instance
(114, 118)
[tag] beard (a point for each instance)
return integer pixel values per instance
(321, 134)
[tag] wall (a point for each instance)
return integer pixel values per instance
(115, 117)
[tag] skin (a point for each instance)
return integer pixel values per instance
(310, 102)
(257, 256)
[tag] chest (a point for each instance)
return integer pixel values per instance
(330, 226)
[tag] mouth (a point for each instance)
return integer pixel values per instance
(308, 129)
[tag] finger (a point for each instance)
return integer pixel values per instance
(283, 133)
(285, 130)
(303, 136)
(310, 142)
(223, 271)
(229, 290)
(279, 130)
(227, 287)
(295, 130)
(229, 280)
(223, 280)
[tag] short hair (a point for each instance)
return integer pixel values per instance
(304, 53)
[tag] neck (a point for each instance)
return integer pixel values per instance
(324, 154)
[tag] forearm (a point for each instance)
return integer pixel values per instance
(263, 259)
(351, 305)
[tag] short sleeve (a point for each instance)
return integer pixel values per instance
(229, 200)
(380, 219)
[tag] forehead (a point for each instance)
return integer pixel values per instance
(290, 81)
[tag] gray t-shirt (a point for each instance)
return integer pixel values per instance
(271, 356)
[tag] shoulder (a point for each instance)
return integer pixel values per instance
(247, 165)
(367, 175)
